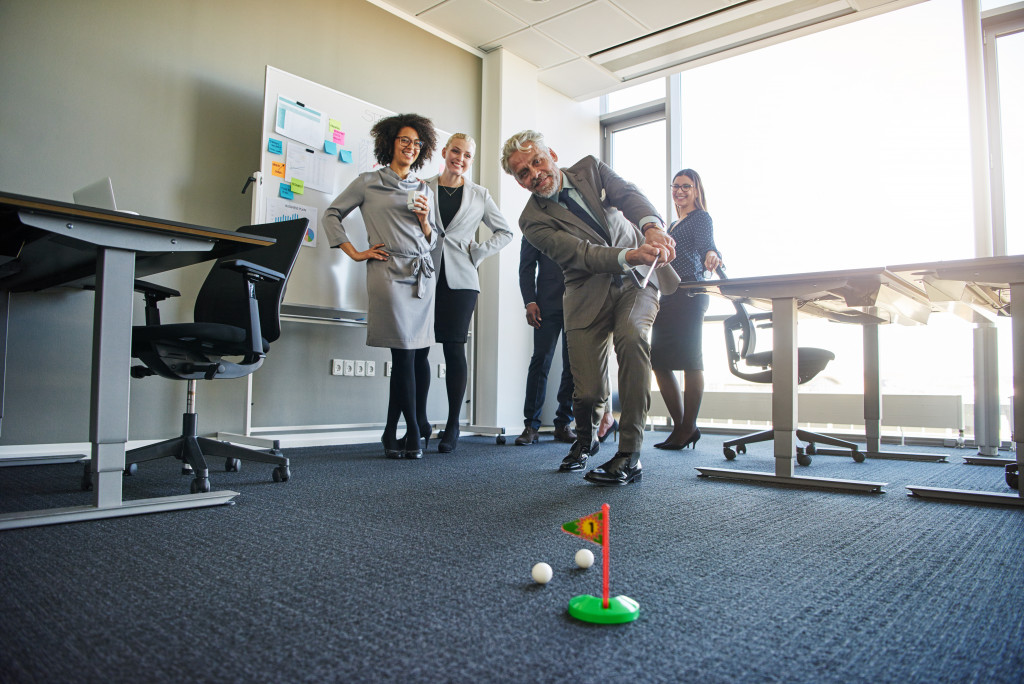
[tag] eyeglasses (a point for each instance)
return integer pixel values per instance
(405, 142)
(685, 186)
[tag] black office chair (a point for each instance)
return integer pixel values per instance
(741, 327)
(236, 317)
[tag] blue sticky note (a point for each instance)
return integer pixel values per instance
(286, 191)
(274, 146)
(330, 147)
(345, 156)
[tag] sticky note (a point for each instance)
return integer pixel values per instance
(334, 124)
(345, 156)
(330, 147)
(339, 137)
(274, 146)
(286, 191)
(277, 168)
(298, 187)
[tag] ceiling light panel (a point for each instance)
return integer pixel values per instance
(592, 27)
(475, 22)
(659, 14)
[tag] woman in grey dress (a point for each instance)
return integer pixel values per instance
(400, 282)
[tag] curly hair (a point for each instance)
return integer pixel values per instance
(385, 132)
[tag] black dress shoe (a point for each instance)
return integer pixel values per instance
(564, 433)
(529, 436)
(623, 469)
(578, 455)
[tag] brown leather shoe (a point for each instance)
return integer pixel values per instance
(528, 437)
(565, 434)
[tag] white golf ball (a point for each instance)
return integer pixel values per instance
(541, 573)
(584, 558)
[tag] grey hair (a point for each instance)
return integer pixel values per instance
(517, 143)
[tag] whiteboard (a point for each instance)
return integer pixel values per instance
(297, 122)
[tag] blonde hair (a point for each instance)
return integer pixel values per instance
(464, 136)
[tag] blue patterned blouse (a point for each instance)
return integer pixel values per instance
(694, 237)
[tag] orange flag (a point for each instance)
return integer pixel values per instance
(588, 527)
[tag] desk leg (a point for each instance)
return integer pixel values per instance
(986, 389)
(111, 356)
(784, 384)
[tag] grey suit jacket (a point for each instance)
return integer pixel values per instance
(462, 253)
(587, 262)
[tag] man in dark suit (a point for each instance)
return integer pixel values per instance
(540, 281)
(598, 228)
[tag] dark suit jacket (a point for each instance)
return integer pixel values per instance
(588, 263)
(540, 279)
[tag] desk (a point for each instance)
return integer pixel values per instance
(869, 297)
(980, 290)
(47, 244)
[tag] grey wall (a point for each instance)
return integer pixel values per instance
(166, 99)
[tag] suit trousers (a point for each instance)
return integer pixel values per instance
(624, 323)
(544, 340)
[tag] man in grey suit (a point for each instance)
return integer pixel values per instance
(599, 228)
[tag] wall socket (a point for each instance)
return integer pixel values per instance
(442, 370)
(350, 367)
(360, 369)
(337, 366)
(355, 368)
(387, 369)
(371, 369)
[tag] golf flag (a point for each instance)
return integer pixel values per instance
(589, 527)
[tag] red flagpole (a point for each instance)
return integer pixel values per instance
(604, 548)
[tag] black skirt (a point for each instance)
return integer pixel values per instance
(453, 310)
(678, 333)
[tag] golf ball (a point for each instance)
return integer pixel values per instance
(541, 573)
(584, 558)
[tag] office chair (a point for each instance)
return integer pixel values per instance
(810, 362)
(236, 317)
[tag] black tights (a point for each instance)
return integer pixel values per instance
(455, 379)
(410, 383)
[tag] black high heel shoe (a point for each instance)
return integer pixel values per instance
(392, 449)
(614, 427)
(426, 430)
(449, 440)
(413, 451)
(693, 439)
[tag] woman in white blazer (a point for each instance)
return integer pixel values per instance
(461, 207)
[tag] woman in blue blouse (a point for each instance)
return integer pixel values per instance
(397, 210)
(677, 332)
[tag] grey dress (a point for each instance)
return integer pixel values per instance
(400, 290)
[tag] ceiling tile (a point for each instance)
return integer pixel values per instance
(476, 22)
(532, 11)
(592, 27)
(534, 47)
(413, 6)
(658, 14)
(578, 79)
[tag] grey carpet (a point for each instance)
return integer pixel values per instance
(365, 569)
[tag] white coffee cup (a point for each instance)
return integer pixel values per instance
(411, 201)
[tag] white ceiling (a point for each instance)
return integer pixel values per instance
(585, 48)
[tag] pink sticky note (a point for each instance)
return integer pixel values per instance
(339, 137)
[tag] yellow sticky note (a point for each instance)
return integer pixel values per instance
(298, 187)
(278, 169)
(334, 125)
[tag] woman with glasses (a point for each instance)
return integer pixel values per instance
(461, 207)
(676, 337)
(400, 282)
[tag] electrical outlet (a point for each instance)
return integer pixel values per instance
(360, 369)
(371, 369)
(350, 367)
(387, 369)
(337, 367)
(442, 370)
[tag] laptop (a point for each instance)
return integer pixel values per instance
(99, 195)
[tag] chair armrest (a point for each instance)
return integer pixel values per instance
(154, 294)
(251, 271)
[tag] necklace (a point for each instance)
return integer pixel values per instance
(449, 191)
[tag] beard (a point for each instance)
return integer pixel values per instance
(546, 188)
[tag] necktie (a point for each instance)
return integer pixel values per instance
(581, 213)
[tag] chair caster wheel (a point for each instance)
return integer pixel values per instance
(858, 457)
(741, 448)
(1013, 476)
(282, 473)
(200, 485)
(810, 449)
(499, 440)
(186, 469)
(802, 458)
(131, 469)
(233, 465)
(729, 453)
(86, 479)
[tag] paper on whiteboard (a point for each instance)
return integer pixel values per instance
(282, 210)
(314, 169)
(299, 122)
